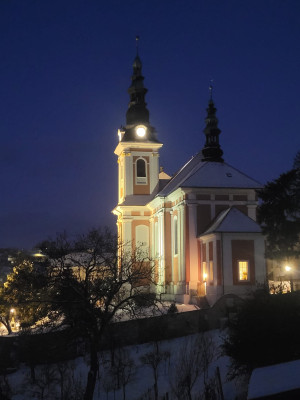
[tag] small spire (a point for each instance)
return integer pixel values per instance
(137, 111)
(212, 150)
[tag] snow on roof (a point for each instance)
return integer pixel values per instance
(181, 175)
(196, 173)
(233, 220)
(274, 379)
(134, 200)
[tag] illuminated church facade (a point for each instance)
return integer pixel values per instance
(198, 226)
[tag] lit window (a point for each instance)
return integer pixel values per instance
(175, 236)
(204, 271)
(243, 270)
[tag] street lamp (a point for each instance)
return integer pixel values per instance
(205, 283)
(289, 269)
(12, 321)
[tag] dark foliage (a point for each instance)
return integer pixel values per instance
(279, 214)
(172, 309)
(266, 331)
(20, 291)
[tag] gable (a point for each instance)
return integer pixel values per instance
(233, 220)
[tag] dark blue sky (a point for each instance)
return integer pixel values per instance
(64, 72)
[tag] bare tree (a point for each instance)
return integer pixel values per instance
(123, 369)
(186, 371)
(153, 359)
(92, 283)
(193, 361)
(45, 382)
(5, 389)
(71, 387)
(207, 353)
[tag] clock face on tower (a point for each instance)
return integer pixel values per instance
(141, 131)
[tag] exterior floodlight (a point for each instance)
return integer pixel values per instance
(141, 130)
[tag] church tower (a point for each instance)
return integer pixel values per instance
(138, 160)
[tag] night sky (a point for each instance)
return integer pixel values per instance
(65, 67)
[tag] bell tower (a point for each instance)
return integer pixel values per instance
(138, 161)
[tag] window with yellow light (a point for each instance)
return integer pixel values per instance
(243, 270)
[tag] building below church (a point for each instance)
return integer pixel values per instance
(199, 226)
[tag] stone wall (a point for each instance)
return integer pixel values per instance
(62, 345)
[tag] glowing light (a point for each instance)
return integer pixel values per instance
(205, 276)
(120, 134)
(38, 255)
(287, 268)
(243, 270)
(12, 310)
(141, 130)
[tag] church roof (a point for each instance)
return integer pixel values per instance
(207, 174)
(233, 220)
(134, 200)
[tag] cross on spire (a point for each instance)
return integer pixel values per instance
(137, 38)
(211, 90)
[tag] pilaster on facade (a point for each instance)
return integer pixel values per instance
(128, 175)
(127, 234)
(161, 248)
(181, 236)
(193, 248)
(154, 170)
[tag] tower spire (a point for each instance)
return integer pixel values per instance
(212, 150)
(137, 111)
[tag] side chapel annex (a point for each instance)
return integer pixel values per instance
(198, 225)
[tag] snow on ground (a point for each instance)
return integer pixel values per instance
(140, 385)
(274, 379)
(160, 309)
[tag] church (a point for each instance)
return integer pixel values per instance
(198, 226)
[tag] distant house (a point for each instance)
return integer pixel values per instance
(198, 226)
(283, 275)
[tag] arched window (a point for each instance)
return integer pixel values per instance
(141, 168)
(141, 172)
